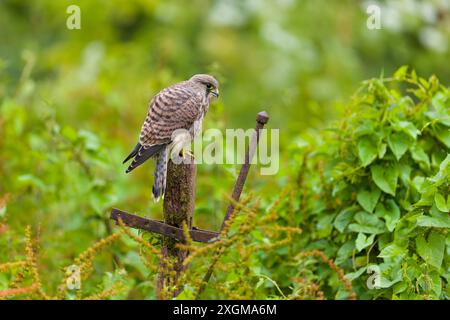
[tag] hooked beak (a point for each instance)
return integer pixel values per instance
(215, 93)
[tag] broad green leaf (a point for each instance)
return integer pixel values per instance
(404, 170)
(399, 287)
(367, 223)
(366, 218)
(367, 150)
(356, 227)
(391, 251)
(90, 140)
(408, 128)
(386, 283)
(418, 182)
(31, 180)
(343, 219)
(324, 226)
(420, 156)
(440, 202)
(437, 283)
(364, 128)
(413, 75)
(424, 83)
(385, 177)
(434, 222)
(436, 219)
(443, 173)
(382, 147)
(401, 72)
(441, 103)
(399, 143)
(355, 275)
(362, 241)
(70, 133)
(438, 117)
(443, 134)
(345, 252)
(368, 199)
(431, 250)
(390, 212)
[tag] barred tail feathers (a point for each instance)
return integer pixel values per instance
(159, 184)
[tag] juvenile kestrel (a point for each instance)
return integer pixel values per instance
(180, 106)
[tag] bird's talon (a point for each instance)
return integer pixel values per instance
(184, 153)
(189, 153)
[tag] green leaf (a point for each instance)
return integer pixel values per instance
(443, 134)
(408, 128)
(356, 227)
(355, 275)
(390, 213)
(364, 128)
(362, 241)
(440, 202)
(405, 172)
(343, 219)
(368, 199)
(418, 182)
(366, 218)
(367, 150)
(367, 223)
(90, 140)
(401, 72)
(437, 283)
(443, 173)
(386, 283)
(32, 181)
(434, 221)
(399, 143)
(70, 133)
(382, 147)
(413, 75)
(427, 221)
(420, 156)
(345, 252)
(385, 177)
(324, 226)
(391, 251)
(431, 250)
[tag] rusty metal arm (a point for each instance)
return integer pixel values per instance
(156, 226)
(261, 119)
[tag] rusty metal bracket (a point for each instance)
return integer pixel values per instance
(156, 226)
(261, 119)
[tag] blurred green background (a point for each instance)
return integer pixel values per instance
(73, 101)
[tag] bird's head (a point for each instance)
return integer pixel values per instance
(208, 83)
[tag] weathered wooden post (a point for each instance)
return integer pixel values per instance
(178, 207)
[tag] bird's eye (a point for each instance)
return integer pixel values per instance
(209, 86)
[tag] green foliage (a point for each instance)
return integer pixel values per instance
(373, 191)
(25, 276)
(383, 184)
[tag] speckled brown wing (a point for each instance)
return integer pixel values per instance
(176, 107)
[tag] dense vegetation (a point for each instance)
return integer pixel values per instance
(376, 188)
(359, 208)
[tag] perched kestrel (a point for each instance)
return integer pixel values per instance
(174, 110)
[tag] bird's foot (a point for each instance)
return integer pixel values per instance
(185, 153)
(183, 156)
